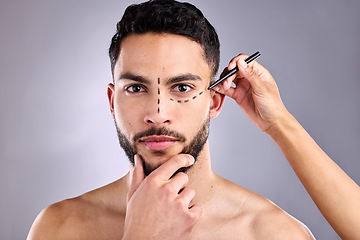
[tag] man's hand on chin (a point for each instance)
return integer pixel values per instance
(159, 207)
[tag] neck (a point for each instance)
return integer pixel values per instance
(201, 177)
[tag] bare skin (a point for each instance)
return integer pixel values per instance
(229, 212)
(336, 195)
(195, 205)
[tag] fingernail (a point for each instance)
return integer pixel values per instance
(136, 159)
(192, 159)
(217, 88)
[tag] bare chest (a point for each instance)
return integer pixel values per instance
(112, 227)
(222, 229)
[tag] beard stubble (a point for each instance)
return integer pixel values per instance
(194, 148)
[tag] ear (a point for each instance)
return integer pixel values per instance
(111, 96)
(217, 101)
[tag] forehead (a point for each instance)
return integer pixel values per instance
(161, 55)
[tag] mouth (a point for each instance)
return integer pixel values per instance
(158, 143)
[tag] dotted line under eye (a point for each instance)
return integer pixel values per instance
(187, 100)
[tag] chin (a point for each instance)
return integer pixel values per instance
(153, 159)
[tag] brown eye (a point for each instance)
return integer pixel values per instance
(135, 88)
(182, 88)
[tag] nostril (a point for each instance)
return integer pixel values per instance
(157, 121)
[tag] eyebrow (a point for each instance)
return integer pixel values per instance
(133, 77)
(172, 80)
(183, 77)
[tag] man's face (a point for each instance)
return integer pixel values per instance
(160, 100)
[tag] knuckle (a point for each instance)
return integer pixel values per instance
(180, 203)
(169, 189)
(151, 181)
(192, 218)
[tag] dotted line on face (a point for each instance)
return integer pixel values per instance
(187, 100)
(158, 95)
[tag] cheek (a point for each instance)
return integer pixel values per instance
(124, 113)
(195, 106)
(191, 99)
(188, 98)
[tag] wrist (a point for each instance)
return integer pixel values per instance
(285, 124)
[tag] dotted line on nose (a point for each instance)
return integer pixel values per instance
(158, 110)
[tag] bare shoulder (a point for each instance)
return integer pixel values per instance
(51, 223)
(261, 218)
(81, 216)
(271, 222)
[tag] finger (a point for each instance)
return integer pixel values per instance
(167, 170)
(195, 212)
(232, 64)
(187, 195)
(179, 181)
(250, 72)
(238, 61)
(225, 70)
(229, 92)
(239, 58)
(228, 89)
(226, 84)
(255, 74)
(137, 176)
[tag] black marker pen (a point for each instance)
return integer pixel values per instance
(234, 70)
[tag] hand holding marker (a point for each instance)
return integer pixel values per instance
(234, 70)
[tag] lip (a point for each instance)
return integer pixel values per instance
(158, 143)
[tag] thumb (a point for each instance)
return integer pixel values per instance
(137, 175)
(258, 76)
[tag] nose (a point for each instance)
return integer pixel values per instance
(158, 112)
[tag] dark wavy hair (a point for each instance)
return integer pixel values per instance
(168, 16)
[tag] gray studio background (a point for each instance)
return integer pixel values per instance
(57, 139)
